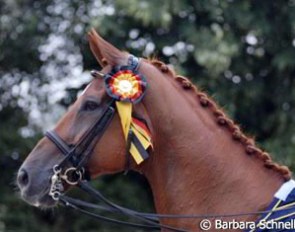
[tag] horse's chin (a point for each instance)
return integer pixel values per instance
(39, 201)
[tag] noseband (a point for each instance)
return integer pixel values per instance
(77, 154)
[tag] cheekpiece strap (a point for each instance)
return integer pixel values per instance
(133, 62)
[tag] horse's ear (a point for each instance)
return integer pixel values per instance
(104, 52)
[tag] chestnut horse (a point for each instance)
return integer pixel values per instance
(200, 163)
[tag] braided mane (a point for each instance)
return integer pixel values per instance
(224, 121)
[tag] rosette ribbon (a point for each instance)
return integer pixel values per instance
(127, 87)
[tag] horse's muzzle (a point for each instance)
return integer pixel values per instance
(34, 189)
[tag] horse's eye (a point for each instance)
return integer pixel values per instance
(90, 106)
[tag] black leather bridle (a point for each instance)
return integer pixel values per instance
(77, 154)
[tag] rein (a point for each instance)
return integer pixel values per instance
(150, 218)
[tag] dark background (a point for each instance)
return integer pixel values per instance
(241, 52)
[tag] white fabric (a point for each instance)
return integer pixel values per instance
(285, 190)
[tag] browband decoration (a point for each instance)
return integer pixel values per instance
(124, 84)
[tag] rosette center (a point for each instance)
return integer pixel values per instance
(125, 86)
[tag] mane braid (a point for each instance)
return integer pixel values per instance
(223, 120)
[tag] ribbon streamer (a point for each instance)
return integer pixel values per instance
(141, 139)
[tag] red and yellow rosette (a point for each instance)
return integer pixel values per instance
(125, 85)
(128, 87)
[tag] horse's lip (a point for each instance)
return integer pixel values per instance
(40, 201)
(46, 202)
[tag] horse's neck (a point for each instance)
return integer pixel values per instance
(196, 167)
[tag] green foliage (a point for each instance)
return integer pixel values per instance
(242, 52)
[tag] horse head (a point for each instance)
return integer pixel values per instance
(107, 153)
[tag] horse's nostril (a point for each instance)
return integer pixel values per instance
(22, 178)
